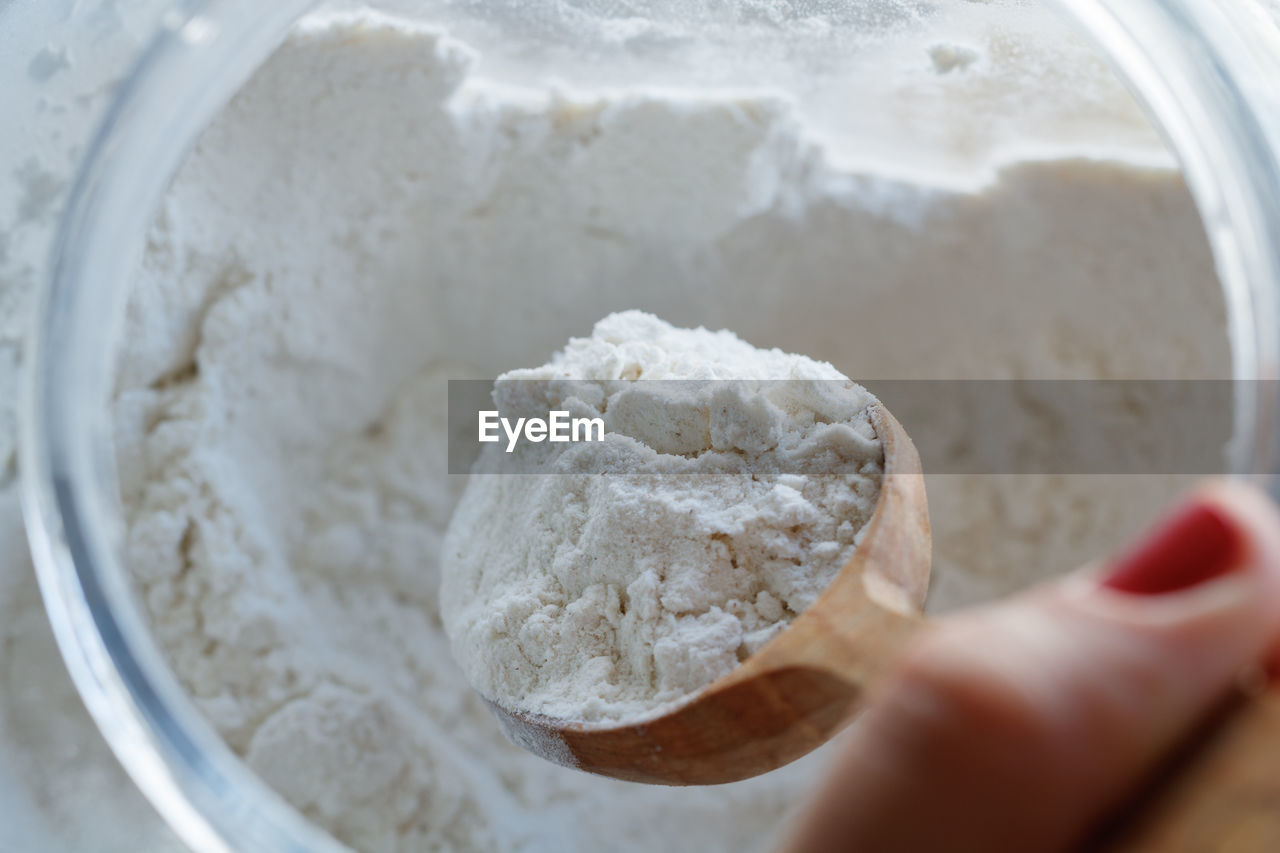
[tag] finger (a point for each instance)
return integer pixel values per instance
(1018, 726)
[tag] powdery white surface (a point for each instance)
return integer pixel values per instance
(717, 521)
(984, 264)
(370, 211)
(280, 423)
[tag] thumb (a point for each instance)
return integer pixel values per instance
(1019, 726)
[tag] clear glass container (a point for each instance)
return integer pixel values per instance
(1203, 71)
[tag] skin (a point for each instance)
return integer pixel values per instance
(1022, 725)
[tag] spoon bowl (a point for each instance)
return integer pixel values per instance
(1218, 792)
(797, 691)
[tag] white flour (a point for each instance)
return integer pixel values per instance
(363, 221)
(590, 597)
(363, 217)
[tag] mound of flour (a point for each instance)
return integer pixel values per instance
(372, 215)
(707, 519)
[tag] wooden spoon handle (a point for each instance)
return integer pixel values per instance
(1221, 794)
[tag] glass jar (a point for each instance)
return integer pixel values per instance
(1201, 70)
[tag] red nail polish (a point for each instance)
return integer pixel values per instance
(1197, 543)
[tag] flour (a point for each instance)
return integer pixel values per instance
(370, 212)
(371, 216)
(708, 518)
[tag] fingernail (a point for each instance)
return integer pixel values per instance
(1195, 544)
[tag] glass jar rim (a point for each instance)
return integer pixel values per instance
(1193, 65)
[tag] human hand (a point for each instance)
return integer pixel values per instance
(1027, 724)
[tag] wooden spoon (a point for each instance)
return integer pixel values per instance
(801, 687)
(1220, 793)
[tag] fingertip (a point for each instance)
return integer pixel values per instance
(1252, 514)
(1063, 699)
(1197, 542)
(1209, 567)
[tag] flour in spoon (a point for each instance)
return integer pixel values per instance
(610, 579)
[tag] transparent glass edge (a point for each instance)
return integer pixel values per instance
(174, 757)
(1185, 60)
